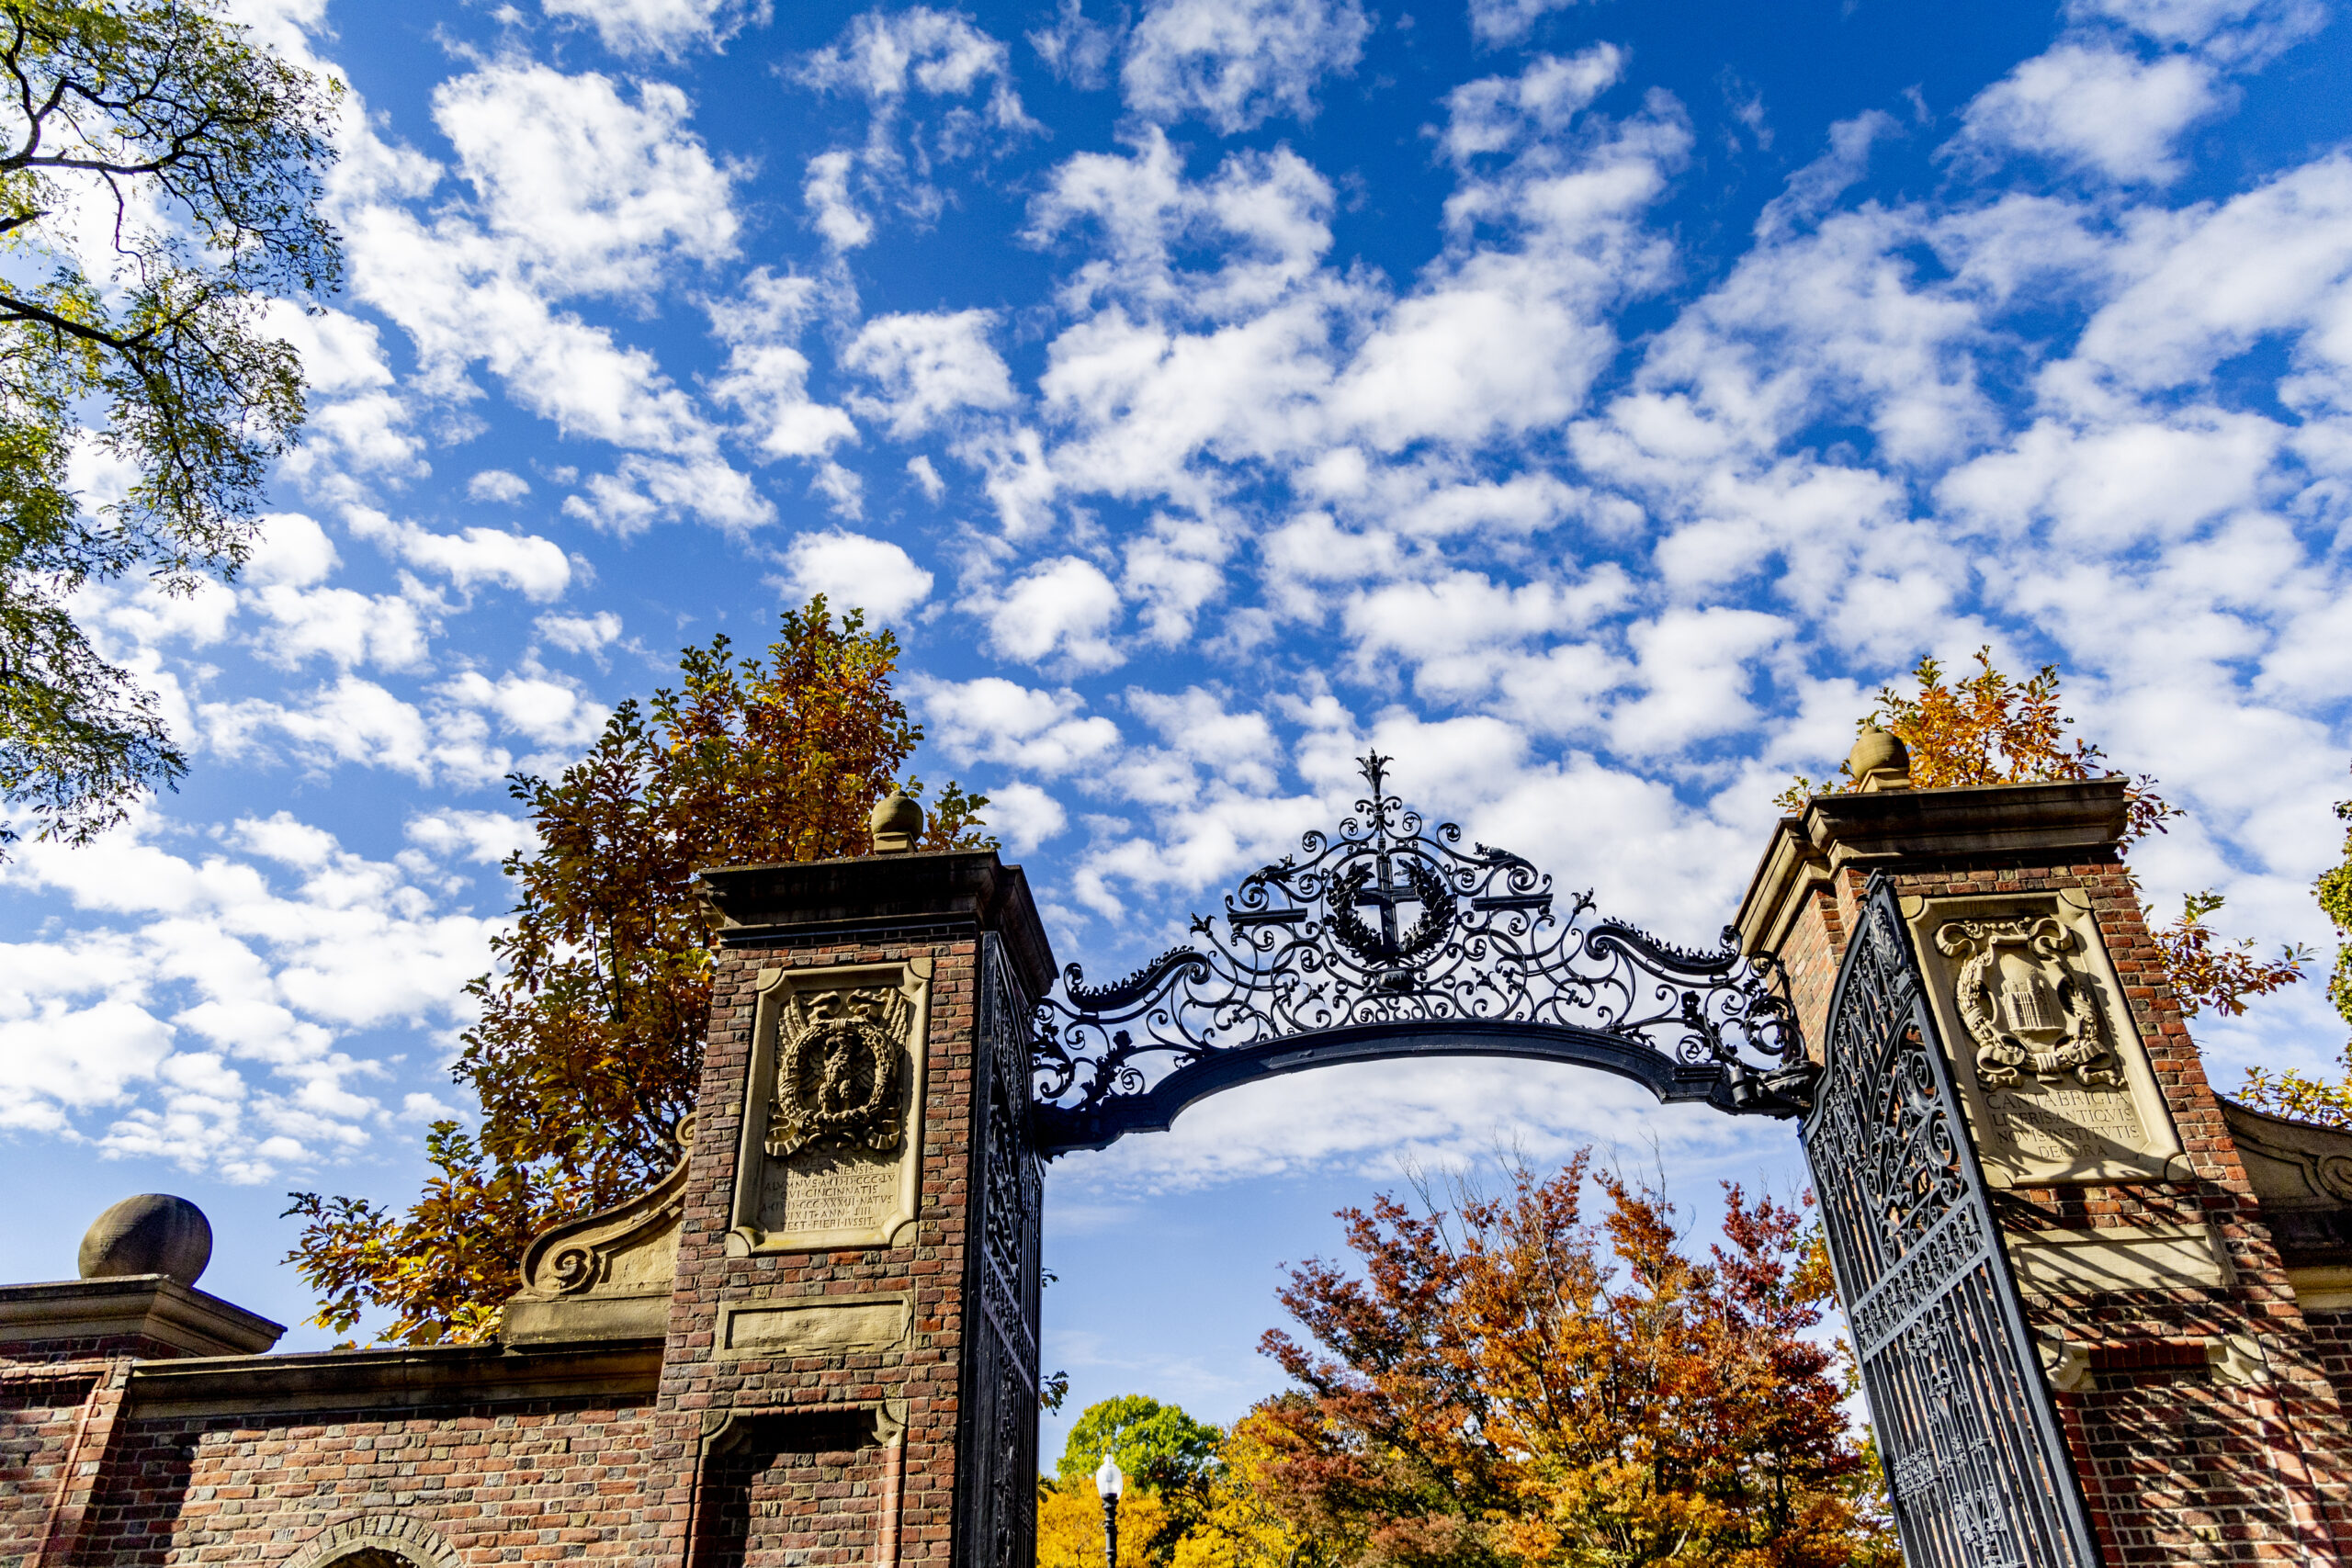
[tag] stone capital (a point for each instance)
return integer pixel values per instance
(876, 894)
(2065, 820)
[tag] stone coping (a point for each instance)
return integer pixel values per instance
(144, 1306)
(625, 1371)
(1974, 823)
(876, 894)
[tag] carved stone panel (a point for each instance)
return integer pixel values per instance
(2055, 1083)
(832, 1149)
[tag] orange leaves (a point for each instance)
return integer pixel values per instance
(591, 1035)
(1511, 1383)
(1987, 728)
(2206, 971)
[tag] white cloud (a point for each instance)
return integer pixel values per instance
(199, 1012)
(1235, 64)
(536, 568)
(927, 368)
(832, 209)
(1076, 48)
(1507, 21)
(768, 375)
(1060, 612)
(1022, 816)
(667, 28)
(580, 634)
(646, 490)
(883, 57)
(537, 705)
(855, 572)
(2093, 107)
(337, 624)
(293, 550)
(918, 468)
(485, 838)
(995, 720)
(593, 192)
(497, 484)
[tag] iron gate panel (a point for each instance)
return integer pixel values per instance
(996, 1462)
(1975, 1461)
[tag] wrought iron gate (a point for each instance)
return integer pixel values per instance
(996, 1455)
(1974, 1458)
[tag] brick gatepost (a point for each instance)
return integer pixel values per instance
(851, 1350)
(2160, 1280)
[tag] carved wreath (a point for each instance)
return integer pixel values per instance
(1429, 888)
(2051, 1028)
(837, 1072)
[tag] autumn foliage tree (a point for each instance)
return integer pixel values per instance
(1507, 1384)
(1988, 727)
(592, 1026)
(1170, 1460)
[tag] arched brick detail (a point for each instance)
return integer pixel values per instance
(392, 1536)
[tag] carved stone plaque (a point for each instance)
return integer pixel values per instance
(2050, 1066)
(831, 1150)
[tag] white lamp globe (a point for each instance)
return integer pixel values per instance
(1110, 1480)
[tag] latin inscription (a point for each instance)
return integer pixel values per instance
(823, 1193)
(2065, 1124)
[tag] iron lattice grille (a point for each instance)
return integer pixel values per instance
(1974, 1458)
(1388, 928)
(997, 1447)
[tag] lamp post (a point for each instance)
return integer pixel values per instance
(1110, 1481)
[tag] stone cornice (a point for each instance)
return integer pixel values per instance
(440, 1376)
(1924, 827)
(967, 888)
(147, 1307)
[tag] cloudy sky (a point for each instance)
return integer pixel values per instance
(1587, 403)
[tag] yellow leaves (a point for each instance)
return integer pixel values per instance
(1985, 729)
(1069, 1527)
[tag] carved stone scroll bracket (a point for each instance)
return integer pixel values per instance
(2065, 1363)
(831, 1154)
(2052, 1072)
(605, 1275)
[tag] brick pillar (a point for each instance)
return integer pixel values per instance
(2200, 1415)
(851, 1354)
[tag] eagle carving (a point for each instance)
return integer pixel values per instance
(837, 1072)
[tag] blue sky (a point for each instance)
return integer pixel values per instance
(1585, 403)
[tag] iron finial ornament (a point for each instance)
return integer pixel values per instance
(1385, 938)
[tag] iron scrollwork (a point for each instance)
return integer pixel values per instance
(1386, 936)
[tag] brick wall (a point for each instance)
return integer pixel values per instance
(923, 1372)
(529, 1484)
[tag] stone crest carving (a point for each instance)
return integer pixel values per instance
(837, 1072)
(835, 1091)
(2025, 1009)
(2048, 1064)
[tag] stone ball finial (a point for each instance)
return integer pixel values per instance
(896, 823)
(151, 1234)
(1879, 760)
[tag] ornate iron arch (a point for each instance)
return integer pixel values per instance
(1315, 961)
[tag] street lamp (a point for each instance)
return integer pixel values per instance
(1110, 1481)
